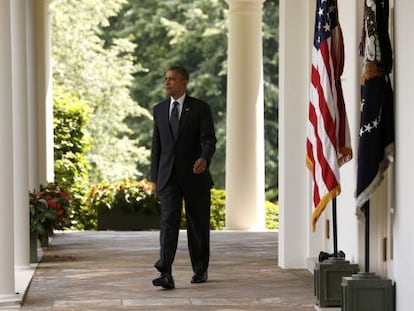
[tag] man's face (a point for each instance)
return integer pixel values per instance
(175, 84)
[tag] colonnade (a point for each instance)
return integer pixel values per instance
(24, 154)
(26, 128)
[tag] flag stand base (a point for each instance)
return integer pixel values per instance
(327, 280)
(367, 291)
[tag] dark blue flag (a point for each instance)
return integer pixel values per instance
(376, 133)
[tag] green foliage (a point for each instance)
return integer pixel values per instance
(112, 55)
(217, 214)
(101, 77)
(189, 33)
(50, 207)
(127, 195)
(70, 141)
(271, 215)
(41, 216)
(271, 94)
(70, 144)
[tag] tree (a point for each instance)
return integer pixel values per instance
(190, 33)
(102, 78)
(105, 62)
(194, 34)
(271, 95)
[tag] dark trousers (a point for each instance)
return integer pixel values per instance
(197, 211)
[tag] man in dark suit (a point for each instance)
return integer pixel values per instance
(183, 144)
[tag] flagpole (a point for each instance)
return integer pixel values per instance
(335, 230)
(366, 213)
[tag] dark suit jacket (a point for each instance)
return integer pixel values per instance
(196, 138)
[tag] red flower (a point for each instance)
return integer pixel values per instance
(64, 195)
(53, 204)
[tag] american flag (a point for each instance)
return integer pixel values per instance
(328, 142)
(376, 134)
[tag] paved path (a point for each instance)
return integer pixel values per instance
(100, 270)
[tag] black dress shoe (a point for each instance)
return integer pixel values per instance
(165, 281)
(199, 277)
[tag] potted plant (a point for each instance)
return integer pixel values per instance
(125, 205)
(49, 210)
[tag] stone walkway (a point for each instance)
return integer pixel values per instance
(101, 270)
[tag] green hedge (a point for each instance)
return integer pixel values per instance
(134, 195)
(70, 116)
(218, 213)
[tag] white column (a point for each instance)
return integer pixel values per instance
(294, 67)
(44, 93)
(245, 117)
(32, 94)
(6, 157)
(20, 134)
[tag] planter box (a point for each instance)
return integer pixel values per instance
(117, 219)
(33, 248)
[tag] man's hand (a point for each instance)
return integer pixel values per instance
(200, 166)
(154, 187)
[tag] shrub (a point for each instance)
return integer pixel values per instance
(271, 215)
(129, 195)
(218, 215)
(218, 212)
(70, 145)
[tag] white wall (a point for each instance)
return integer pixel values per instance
(349, 18)
(404, 169)
(295, 238)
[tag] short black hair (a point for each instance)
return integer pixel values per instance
(181, 70)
